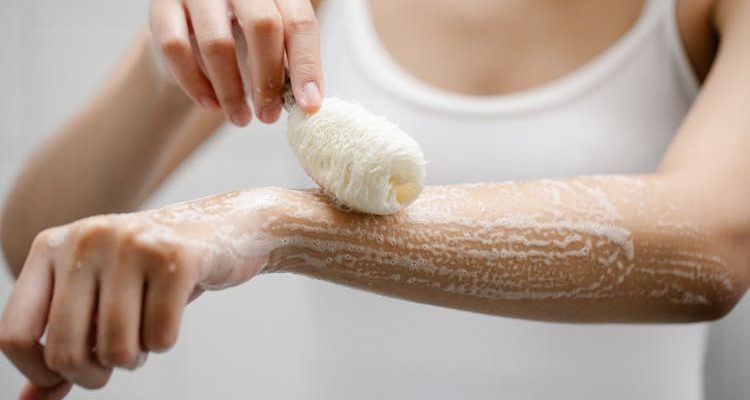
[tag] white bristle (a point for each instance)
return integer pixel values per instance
(365, 161)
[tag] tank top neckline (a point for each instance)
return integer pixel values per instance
(381, 67)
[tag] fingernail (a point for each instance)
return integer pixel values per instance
(209, 103)
(310, 96)
(241, 117)
(269, 114)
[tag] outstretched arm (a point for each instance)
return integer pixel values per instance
(594, 249)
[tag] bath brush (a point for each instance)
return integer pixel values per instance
(363, 161)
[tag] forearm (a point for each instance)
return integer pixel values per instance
(105, 159)
(599, 249)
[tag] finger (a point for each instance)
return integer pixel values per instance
(213, 34)
(170, 30)
(169, 289)
(263, 32)
(120, 303)
(57, 392)
(302, 41)
(25, 317)
(69, 332)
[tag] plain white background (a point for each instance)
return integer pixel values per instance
(246, 342)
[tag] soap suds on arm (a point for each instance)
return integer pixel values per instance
(585, 249)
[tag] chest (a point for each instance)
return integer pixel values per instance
(489, 47)
(617, 115)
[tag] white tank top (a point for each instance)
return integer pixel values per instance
(616, 114)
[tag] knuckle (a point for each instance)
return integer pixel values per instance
(300, 23)
(43, 240)
(119, 355)
(42, 237)
(266, 24)
(61, 360)
(45, 246)
(92, 377)
(306, 66)
(269, 88)
(231, 98)
(217, 46)
(174, 48)
(10, 342)
(305, 62)
(160, 341)
(94, 227)
(132, 241)
(128, 239)
(93, 235)
(159, 257)
(94, 384)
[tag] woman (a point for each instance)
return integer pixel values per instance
(589, 92)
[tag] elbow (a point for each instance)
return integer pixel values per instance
(734, 245)
(722, 306)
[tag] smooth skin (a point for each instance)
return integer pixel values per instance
(78, 268)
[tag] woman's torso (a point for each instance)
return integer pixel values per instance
(616, 113)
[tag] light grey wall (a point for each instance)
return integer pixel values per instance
(53, 53)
